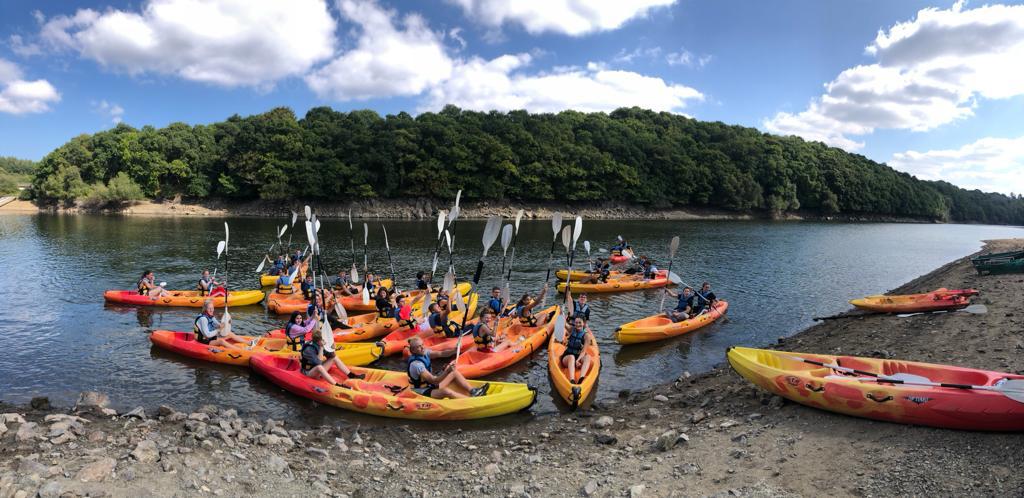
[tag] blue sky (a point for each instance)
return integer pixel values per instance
(932, 88)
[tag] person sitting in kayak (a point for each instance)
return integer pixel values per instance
(297, 328)
(211, 331)
(438, 322)
(484, 338)
(422, 280)
(276, 267)
(296, 258)
(437, 386)
(284, 283)
(581, 309)
(385, 307)
(402, 312)
(308, 287)
(147, 285)
(685, 306)
(495, 303)
(645, 267)
(599, 275)
(524, 309)
(706, 299)
(206, 283)
(575, 358)
(313, 366)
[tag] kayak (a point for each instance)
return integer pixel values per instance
(397, 340)
(286, 304)
(185, 344)
(193, 299)
(624, 284)
(862, 396)
(657, 327)
(355, 303)
(936, 300)
(999, 263)
(572, 393)
(388, 394)
(268, 280)
(361, 328)
(523, 341)
(618, 259)
(580, 275)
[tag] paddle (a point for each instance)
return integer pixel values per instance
(506, 239)
(453, 217)
(590, 261)
(556, 226)
(559, 332)
(366, 238)
(437, 246)
(490, 236)
(1011, 388)
(394, 281)
(673, 246)
(227, 292)
(515, 236)
(352, 240)
(976, 309)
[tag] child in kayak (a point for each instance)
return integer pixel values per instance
(575, 358)
(484, 338)
(312, 366)
(297, 328)
(524, 309)
(685, 306)
(437, 386)
(147, 285)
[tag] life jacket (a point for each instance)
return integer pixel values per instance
(574, 346)
(495, 304)
(199, 331)
(442, 327)
(422, 284)
(404, 316)
(144, 287)
(285, 289)
(529, 320)
(295, 342)
(303, 362)
(425, 359)
(480, 339)
(203, 290)
(307, 290)
(384, 307)
(583, 311)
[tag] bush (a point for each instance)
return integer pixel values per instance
(119, 190)
(7, 184)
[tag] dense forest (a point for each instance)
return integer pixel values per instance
(15, 172)
(630, 155)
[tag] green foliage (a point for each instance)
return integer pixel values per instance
(17, 166)
(119, 190)
(7, 184)
(630, 155)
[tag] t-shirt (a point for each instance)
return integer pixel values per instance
(208, 326)
(685, 301)
(417, 367)
(311, 354)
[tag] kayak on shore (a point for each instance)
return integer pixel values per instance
(937, 300)
(658, 327)
(185, 344)
(388, 394)
(999, 263)
(812, 380)
(575, 394)
(191, 299)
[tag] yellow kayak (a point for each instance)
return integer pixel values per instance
(657, 327)
(623, 284)
(267, 280)
(388, 394)
(580, 275)
(193, 299)
(572, 393)
(185, 344)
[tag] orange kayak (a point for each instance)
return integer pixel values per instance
(396, 341)
(657, 327)
(191, 299)
(185, 344)
(573, 393)
(621, 284)
(521, 340)
(387, 394)
(287, 303)
(361, 328)
(937, 300)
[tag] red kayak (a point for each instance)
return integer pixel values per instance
(618, 259)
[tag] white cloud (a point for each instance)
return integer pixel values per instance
(989, 164)
(929, 72)
(570, 17)
(387, 60)
(114, 111)
(225, 42)
(18, 96)
(20, 47)
(455, 34)
(624, 57)
(501, 84)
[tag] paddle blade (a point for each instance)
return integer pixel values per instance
(340, 311)
(453, 215)
(386, 245)
(295, 216)
(310, 236)
(977, 309)
(440, 222)
(460, 302)
(661, 307)
(673, 246)
(908, 378)
(449, 282)
(506, 237)
(519, 217)
(556, 223)
(260, 267)
(672, 277)
(226, 236)
(354, 274)
(566, 237)
(448, 240)
(349, 220)
(506, 293)
(284, 228)
(294, 275)
(366, 294)
(1013, 389)
(458, 197)
(366, 234)
(586, 245)
(308, 212)
(559, 329)
(491, 232)
(577, 230)
(316, 224)
(220, 248)
(425, 307)
(433, 267)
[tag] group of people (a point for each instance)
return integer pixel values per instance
(691, 304)
(207, 285)
(285, 264)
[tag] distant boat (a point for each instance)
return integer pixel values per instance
(999, 263)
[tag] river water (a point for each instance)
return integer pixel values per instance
(59, 338)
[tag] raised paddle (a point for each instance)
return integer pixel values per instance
(506, 239)
(673, 246)
(453, 217)
(556, 227)
(1011, 388)
(366, 238)
(352, 239)
(394, 281)
(512, 256)
(440, 240)
(491, 230)
(590, 261)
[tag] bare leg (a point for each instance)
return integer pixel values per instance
(340, 365)
(455, 377)
(321, 372)
(225, 344)
(570, 362)
(585, 368)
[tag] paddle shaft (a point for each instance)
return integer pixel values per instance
(887, 379)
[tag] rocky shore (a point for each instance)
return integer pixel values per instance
(706, 435)
(422, 209)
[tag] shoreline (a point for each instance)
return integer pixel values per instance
(709, 434)
(426, 209)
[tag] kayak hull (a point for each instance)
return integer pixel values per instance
(387, 394)
(185, 344)
(828, 389)
(523, 340)
(580, 275)
(573, 394)
(287, 303)
(938, 300)
(190, 299)
(623, 284)
(658, 327)
(397, 340)
(999, 263)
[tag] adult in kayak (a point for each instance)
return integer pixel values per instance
(685, 305)
(495, 303)
(206, 283)
(317, 358)
(524, 308)
(297, 328)
(438, 320)
(308, 287)
(447, 384)
(574, 358)
(422, 280)
(211, 331)
(705, 299)
(147, 285)
(581, 308)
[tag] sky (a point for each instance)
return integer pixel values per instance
(935, 89)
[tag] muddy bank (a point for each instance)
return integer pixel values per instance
(422, 209)
(712, 434)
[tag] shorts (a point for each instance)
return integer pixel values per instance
(202, 339)
(329, 355)
(425, 390)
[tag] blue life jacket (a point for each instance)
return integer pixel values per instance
(482, 340)
(583, 311)
(199, 331)
(408, 367)
(495, 304)
(574, 346)
(685, 301)
(307, 289)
